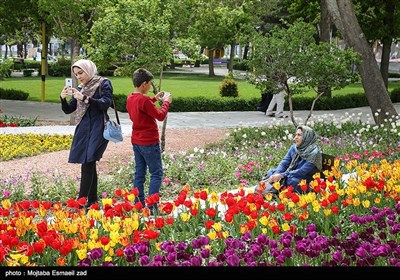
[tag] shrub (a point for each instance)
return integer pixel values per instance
(395, 95)
(241, 65)
(120, 102)
(60, 69)
(5, 69)
(13, 94)
(229, 87)
(28, 72)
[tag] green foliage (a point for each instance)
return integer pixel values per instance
(395, 95)
(228, 87)
(57, 70)
(13, 94)
(28, 72)
(293, 52)
(33, 64)
(134, 32)
(5, 69)
(120, 102)
(20, 121)
(241, 65)
(335, 102)
(221, 166)
(54, 188)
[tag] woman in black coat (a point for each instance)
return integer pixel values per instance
(90, 101)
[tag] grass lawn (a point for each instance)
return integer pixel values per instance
(180, 85)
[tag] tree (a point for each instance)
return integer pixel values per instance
(380, 21)
(19, 26)
(132, 34)
(71, 21)
(210, 28)
(343, 16)
(292, 53)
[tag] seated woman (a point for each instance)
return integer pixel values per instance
(301, 162)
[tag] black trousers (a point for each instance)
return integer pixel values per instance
(88, 187)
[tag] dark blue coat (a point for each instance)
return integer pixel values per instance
(88, 143)
(302, 170)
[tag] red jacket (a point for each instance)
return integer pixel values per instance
(144, 114)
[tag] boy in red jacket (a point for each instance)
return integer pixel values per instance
(145, 137)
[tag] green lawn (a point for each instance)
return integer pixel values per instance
(180, 85)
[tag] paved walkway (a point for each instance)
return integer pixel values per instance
(53, 112)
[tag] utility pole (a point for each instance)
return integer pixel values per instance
(43, 61)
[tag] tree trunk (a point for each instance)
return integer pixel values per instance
(343, 16)
(246, 52)
(211, 72)
(384, 66)
(325, 36)
(231, 58)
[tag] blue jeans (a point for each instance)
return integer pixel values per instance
(147, 157)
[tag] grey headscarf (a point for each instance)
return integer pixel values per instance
(308, 149)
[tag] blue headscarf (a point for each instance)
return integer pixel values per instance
(308, 149)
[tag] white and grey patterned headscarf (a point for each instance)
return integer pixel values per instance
(88, 89)
(308, 149)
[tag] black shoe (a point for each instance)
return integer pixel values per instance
(270, 115)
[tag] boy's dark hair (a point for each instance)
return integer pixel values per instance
(140, 76)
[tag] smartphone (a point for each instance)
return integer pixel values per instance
(68, 82)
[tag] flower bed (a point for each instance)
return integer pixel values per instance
(353, 224)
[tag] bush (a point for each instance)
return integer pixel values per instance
(120, 102)
(240, 65)
(5, 69)
(13, 94)
(28, 72)
(60, 69)
(229, 88)
(395, 95)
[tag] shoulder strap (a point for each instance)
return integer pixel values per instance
(115, 108)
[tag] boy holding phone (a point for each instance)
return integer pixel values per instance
(145, 135)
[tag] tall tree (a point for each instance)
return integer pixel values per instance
(343, 16)
(71, 20)
(132, 34)
(211, 29)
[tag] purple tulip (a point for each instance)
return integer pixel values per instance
(95, 254)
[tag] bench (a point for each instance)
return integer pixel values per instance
(327, 162)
